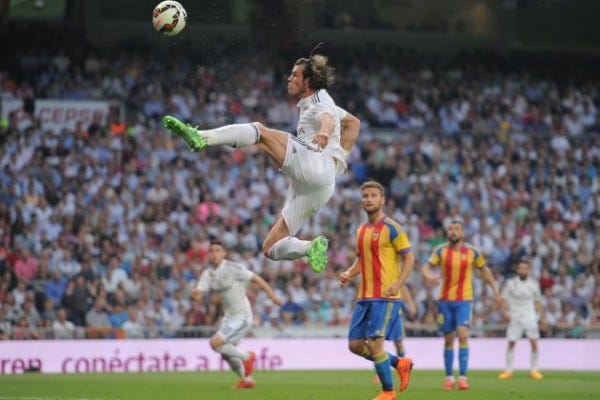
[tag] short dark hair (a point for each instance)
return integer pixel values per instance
(216, 242)
(318, 71)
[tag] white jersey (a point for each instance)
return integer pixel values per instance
(311, 108)
(230, 280)
(521, 297)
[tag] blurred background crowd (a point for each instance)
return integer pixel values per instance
(104, 229)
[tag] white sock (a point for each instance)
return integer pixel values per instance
(237, 135)
(509, 359)
(229, 350)
(236, 365)
(289, 248)
(534, 360)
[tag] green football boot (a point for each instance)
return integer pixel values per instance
(317, 253)
(188, 133)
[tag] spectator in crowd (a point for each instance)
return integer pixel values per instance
(61, 327)
(97, 321)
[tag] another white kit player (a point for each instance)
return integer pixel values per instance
(229, 279)
(523, 309)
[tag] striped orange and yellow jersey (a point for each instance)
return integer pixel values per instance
(378, 247)
(457, 265)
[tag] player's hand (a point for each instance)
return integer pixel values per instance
(276, 300)
(343, 278)
(506, 316)
(412, 310)
(196, 295)
(498, 300)
(392, 290)
(321, 139)
(431, 280)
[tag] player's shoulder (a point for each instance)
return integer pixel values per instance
(513, 280)
(440, 248)
(228, 264)
(322, 97)
(393, 225)
(473, 248)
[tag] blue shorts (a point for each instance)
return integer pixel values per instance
(452, 314)
(377, 319)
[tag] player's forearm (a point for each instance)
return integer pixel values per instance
(538, 308)
(488, 278)
(406, 296)
(263, 285)
(426, 271)
(327, 124)
(354, 269)
(350, 130)
(408, 263)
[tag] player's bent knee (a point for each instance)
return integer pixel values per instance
(262, 129)
(266, 249)
(356, 348)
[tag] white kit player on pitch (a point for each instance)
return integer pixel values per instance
(229, 279)
(311, 160)
(523, 308)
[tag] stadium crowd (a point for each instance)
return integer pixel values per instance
(104, 232)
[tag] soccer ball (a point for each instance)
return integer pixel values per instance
(169, 17)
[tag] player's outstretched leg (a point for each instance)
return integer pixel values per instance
(317, 253)
(188, 133)
(236, 135)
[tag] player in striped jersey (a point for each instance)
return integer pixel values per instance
(311, 160)
(457, 261)
(384, 261)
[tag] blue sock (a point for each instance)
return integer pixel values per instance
(393, 360)
(463, 360)
(382, 366)
(448, 360)
(401, 354)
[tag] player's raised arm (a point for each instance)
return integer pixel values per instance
(326, 127)
(350, 127)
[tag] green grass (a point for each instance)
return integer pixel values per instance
(291, 385)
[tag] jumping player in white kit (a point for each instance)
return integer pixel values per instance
(229, 279)
(523, 308)
(311, 160)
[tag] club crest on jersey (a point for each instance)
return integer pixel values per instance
(375, 235)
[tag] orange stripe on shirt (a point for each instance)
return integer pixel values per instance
(376, 262)
(447, 273)
(464, 263)
(361, 257)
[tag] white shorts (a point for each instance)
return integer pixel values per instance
(312, 180)
(232, 330)
(516, 329)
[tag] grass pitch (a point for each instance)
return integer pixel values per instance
(291, 385)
